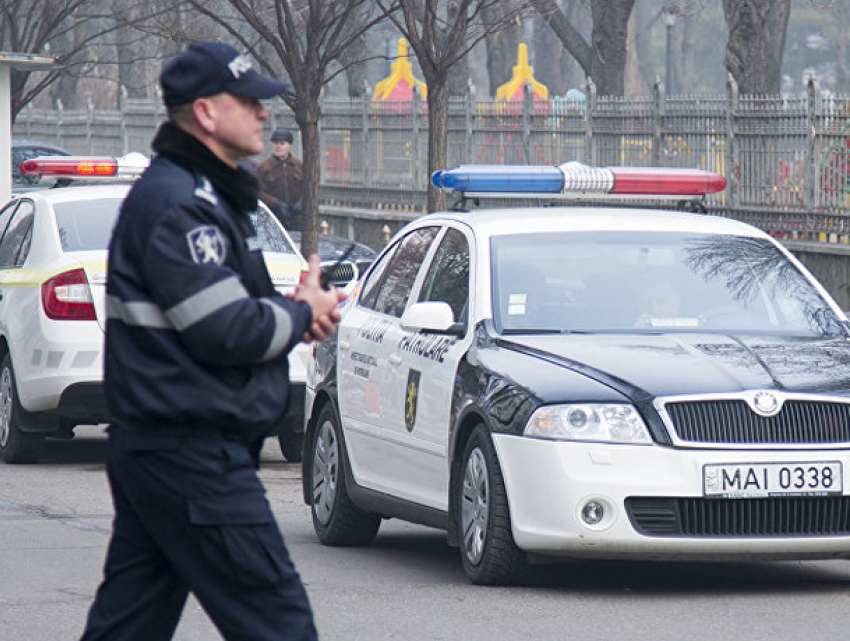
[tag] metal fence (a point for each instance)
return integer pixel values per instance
(786, 158)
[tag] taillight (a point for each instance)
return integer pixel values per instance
(67, 296)
(303, 276)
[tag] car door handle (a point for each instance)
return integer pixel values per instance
(343, 346)
(394, 360)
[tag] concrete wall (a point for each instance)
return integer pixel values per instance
(830, 264)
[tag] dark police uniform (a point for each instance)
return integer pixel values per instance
(195, 375)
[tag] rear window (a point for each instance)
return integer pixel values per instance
(86, 226)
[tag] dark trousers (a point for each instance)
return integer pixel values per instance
(191, 516)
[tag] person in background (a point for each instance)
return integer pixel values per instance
(281, 178)
(195, 373)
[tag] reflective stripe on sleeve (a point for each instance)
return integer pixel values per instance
(140, 314)
(282, 330)
(206, 302)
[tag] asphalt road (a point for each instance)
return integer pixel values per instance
(55, 520)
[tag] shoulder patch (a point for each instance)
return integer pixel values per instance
(205, 191)
(207, 245)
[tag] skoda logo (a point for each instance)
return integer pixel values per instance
(765, 403)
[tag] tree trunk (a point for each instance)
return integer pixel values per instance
(502, 47)
(610, 32)
(307, 116)
(757, 31)
(686, 76)
(356, 72)
(438, 118)
(842, 71)
(131, 65)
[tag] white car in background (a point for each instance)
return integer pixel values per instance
(53, 258)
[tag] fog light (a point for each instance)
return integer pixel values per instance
(592, 512)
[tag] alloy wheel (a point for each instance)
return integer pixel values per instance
(5, 406)
(325, 472)
(475, 506)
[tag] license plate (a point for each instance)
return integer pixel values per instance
(752, 480)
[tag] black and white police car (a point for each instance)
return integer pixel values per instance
(585, 382)
(53, 257)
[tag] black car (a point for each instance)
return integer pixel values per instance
(24, 150)
(331, 248)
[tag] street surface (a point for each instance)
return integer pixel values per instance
(55, 520)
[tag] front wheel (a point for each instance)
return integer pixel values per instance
(336, 520)
(16, 445)
(488, 551)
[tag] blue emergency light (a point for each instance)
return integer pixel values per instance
(575, 180)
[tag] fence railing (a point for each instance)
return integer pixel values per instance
(786, 158)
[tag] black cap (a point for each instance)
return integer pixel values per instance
(210, 68)
(282, 135)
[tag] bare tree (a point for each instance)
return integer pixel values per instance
(440, 38)
(64, 29)
(757, 31)
(310, 39)
(603, 58)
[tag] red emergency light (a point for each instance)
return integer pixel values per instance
(86, 167)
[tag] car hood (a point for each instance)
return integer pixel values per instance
(675, 364)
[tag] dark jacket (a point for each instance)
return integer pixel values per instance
(280, 180)
(197, 338)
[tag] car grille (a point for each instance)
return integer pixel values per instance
(698, 517)
(342, 273)
(732, 421)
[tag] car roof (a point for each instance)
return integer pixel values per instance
(496, 222)
(73, 193)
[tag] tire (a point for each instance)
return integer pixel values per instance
(291, 441)
(16, 445)
(488, 551)
(336, 520)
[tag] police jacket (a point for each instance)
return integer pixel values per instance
(196, 336)
(280, 179)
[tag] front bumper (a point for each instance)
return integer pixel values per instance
(548, 484)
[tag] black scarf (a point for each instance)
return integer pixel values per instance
(236, 185)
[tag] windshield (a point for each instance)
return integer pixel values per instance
(652, 282)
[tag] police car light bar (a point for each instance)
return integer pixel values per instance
(86, 167)
(574, 180)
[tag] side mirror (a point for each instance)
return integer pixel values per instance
(431, 316)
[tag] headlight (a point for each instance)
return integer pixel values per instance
(589, 422)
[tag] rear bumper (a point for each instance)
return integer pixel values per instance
(84, 401)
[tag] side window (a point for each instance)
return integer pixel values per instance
(389, 293)
(6, 215)
(16, 240)
(448, 276)
(372, 285)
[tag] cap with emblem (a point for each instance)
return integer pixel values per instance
(282, 135)
(210, 68)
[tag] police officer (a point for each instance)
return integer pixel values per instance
(281, 178)
(196, 373)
